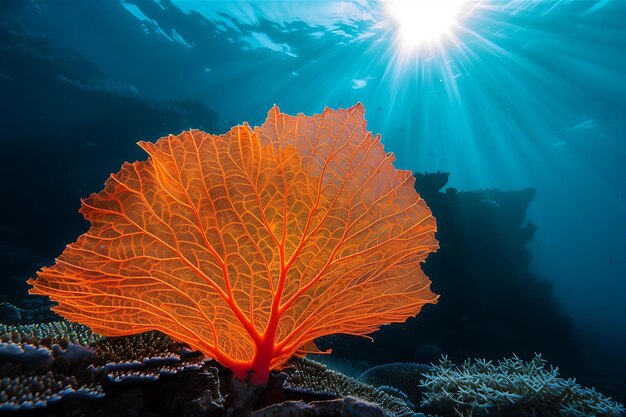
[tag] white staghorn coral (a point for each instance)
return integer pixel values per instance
(512, 387)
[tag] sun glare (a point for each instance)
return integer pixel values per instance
(424, 21)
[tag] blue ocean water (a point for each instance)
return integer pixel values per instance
(506, 95)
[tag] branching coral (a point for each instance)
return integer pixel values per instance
(248, 246)
(511, 387)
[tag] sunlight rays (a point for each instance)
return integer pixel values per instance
(424, 21)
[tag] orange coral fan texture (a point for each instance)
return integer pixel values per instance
(249, 245)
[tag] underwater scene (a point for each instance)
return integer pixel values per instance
(400, 208)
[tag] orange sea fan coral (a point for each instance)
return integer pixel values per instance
(249, 245)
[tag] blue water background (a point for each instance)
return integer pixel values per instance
(528, 94)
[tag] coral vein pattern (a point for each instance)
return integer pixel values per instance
(249, 245)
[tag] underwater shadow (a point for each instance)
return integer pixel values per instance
(490, 305)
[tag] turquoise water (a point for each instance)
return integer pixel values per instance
(513, 95)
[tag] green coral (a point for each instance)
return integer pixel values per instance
(511, 387)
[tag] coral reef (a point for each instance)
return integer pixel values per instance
(45, 363)
(341, 365)
(510, 387)
(47, 333)
(65, 369)
(397, 376)
(314, 378)
(341, 407)
(144, 356)
(61, 368)
(38, 391)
